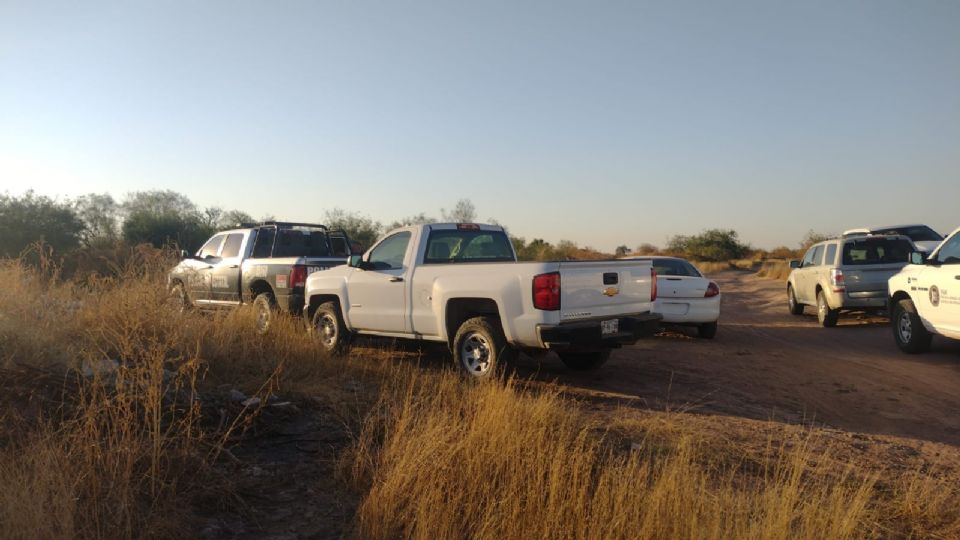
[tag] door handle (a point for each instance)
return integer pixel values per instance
(234, 266)
(396, 279)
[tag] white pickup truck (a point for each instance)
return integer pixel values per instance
(461, 284)
(924, 298)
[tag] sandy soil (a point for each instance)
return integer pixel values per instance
(766, 364)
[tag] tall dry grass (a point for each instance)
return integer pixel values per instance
(775, 269)
(442, 460)
(106, 431)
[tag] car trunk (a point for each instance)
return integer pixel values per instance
(681, 286)
(600, 289)
(869, 281)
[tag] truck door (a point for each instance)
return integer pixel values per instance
(942, 280)
(200, 272)
(378, 297)
(225, 279)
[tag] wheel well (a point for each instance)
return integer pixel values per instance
(259, 287)
(318, 299)
(898, 296)
(460, 309)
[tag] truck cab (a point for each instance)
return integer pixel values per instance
(924, 297)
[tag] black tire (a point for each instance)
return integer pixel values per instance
(585, 361)
(265, 308)
(329, 329)
(908, 330)
(707, 330)
(480, 348)
(179, 299)
(826, 316)
(796, 308)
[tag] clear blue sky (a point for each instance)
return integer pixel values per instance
(599, 122)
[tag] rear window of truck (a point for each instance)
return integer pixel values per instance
(301, 242)
(465, 246)
(876, 251)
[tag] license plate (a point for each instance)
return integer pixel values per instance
(609, 327)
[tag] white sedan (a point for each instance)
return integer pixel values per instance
(684, 296)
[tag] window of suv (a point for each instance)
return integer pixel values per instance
(831, 257)
(212, 247)
(876, 251)
(814, 256)
(950, 251)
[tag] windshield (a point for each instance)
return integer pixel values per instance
(301, 242)
(917, 233)
(458, 246)
(673, 267)
(876, 251)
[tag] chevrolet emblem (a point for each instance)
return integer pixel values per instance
(611, 291)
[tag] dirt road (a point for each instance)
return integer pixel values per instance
(766, 364)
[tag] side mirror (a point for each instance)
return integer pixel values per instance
(354, 261)
(796, 264)
(918, 257)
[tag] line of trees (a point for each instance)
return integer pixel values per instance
(164, 217)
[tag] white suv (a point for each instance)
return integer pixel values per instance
(925, 297)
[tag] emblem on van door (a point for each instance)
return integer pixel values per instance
(611, 291)
(934, 296)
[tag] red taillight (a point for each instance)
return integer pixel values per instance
(298, 276)
(836, 279)
(546, 291)
(653, 285)
(712, 290)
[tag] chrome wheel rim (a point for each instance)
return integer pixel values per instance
(476, 353)
(821, 308)
(263, 318)
(905, 327)
(327, 330)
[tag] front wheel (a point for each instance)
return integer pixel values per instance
(826, 316)
(329, 328)
(796, 308)
(908, 330)
(480, 346)
(585, 361)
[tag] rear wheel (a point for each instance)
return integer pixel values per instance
(908, 330)
(826, 316)
(707, 330)
(480, 346)
(264, 306)
(585, 361)
(796, 308)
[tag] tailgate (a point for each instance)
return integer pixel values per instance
(863, 279)
(599, 289)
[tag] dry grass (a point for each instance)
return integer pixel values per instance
(129, 452)
(708, 267)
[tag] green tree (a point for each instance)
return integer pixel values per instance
(621, 251)
(32, 218)
(710, 245)
(167, 217)
(463, 212)
(100, 214)
(361, 228)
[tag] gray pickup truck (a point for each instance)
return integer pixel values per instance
(265, 265)
(846, 274)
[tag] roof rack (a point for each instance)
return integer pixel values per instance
(293, 224)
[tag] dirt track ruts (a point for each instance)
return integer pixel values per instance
(766, 364)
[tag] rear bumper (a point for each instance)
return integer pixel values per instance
(688, 310)
(586, 335)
